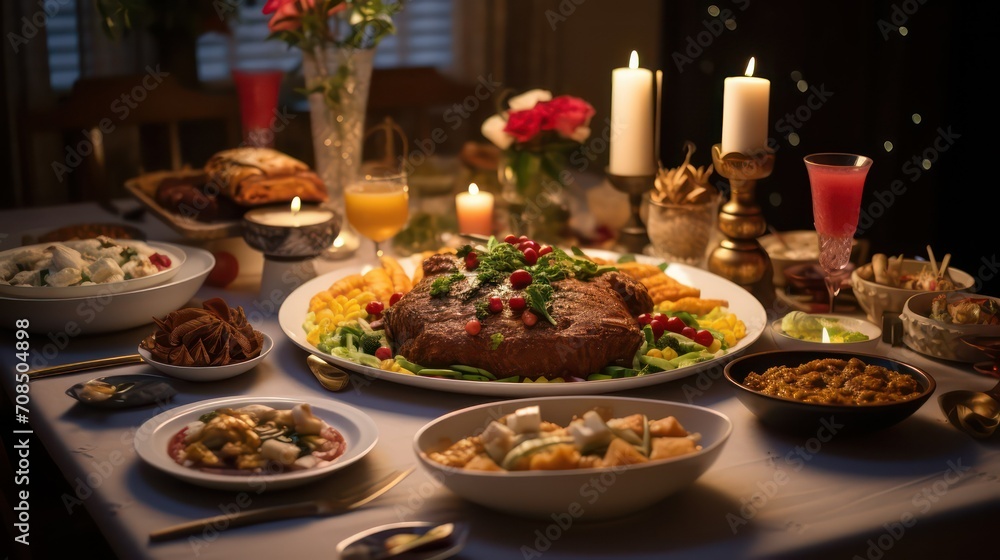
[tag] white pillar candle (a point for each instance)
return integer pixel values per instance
(744, 113)
(631, 120)
(475, 211)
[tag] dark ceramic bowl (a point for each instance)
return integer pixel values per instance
(804, 418)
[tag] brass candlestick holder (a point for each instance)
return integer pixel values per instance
(633, 236)
(739, 256)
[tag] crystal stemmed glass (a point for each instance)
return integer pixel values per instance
(377, 204)
(836, 181)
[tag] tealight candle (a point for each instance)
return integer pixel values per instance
(295, 216)
(744, 113)
(475, 211)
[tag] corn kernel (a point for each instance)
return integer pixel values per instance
(655, 353)
(715, 346)
(668, 353)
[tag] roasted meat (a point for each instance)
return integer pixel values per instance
(595, 325)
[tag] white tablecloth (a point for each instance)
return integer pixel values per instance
(916, 490)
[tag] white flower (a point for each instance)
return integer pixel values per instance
(493, 131)
(580, 134)
(529, 99)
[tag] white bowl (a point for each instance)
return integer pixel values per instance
(110, 312)
(175, 253)
(942, 340)
(787, 342)
(877, 299)
(208, 373)
(540, 494)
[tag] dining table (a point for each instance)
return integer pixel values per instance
(919, 489)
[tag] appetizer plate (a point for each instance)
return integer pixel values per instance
(110, 312)
(741, 302)
(208, 373)
(358, 429)
(176, 254)
(786, 341)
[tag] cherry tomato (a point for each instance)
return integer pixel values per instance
(375, 308)
(473, 327)
(520, 279)
(545, 250)
(496, 305)
(704, 338)
(529, 318)
(383, 353)
(525, 245)
(226, 269)
(161, 262)
(660, 316)
(522, 239)
(512, 239)
(472, 261)
(674, 324)
(688, 332)
(395, 297)
(644, 319)
(530, 256)
(517, 303)
(658, 328)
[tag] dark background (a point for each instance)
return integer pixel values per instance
(942, 69)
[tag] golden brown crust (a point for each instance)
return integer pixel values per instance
(255, 176)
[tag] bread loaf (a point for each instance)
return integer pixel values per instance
(256, 176)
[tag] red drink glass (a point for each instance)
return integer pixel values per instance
(258, 93)
(837, 182)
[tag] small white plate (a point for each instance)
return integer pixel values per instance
(174, 252)
(208, 373)
(871, 330)
(359, 431)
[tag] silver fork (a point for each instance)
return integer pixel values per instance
(321, 507)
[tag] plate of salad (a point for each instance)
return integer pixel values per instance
(339, 317)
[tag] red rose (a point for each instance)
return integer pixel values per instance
(524, 125)
(566, 114)
(288, 13)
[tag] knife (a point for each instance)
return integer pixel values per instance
(314, 508)
(77, 367)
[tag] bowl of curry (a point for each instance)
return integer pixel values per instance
(828, 393)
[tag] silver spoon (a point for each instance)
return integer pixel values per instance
(976, 413)
(436, 534)
(330, 377)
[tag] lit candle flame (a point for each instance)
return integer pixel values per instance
(633, 60)
(750, 66)
(296, 205)
(826, 336)
(473, 189)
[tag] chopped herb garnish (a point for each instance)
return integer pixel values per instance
(482, 309)
(495, 340)
(442, 285)
(539, 296)
(128, 253)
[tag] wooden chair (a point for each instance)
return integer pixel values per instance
(115, 128)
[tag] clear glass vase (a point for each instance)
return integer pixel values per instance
(338, 79)
(536, 203)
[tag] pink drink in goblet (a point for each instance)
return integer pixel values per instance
(837, 182)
